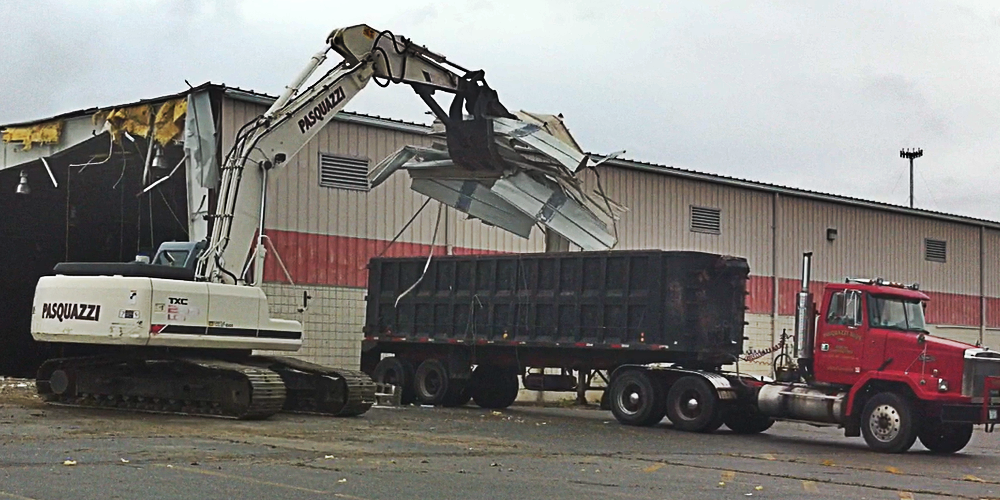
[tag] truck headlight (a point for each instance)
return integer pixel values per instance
(942, 385)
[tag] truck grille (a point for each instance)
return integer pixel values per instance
(979, 363)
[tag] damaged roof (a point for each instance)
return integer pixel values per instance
(247, 95)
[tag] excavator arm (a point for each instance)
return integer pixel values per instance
(275, 137)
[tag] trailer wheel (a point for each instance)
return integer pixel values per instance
(887, 423)
(430, 383)
(693, 406)
(397, 372)
(747, 420)
(945, 437)
(636, 398)
(494, 387)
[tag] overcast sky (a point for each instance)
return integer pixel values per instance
(817, 95)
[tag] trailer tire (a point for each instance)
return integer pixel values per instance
(398, 372)
(693, 406)
(746, 419)
(494, 387)
(430, 383)
(945, 437)
(636, 398)
(887, 423)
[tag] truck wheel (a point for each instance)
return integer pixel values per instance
(887, 423)
(693, 406)
(494, 387)
(945, 437)
(430, 383)
(397, 372)
(747, 420)
(636, 398)
(459, 393)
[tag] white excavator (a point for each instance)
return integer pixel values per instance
(177, 334)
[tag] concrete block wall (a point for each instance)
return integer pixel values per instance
(331, 324)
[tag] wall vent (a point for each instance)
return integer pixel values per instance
(705, 220)
(935, 250)
(343, 172)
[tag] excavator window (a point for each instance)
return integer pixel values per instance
(172, 258)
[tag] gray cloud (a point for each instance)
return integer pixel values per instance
(809, 94)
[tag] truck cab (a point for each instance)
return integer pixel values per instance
(871, 326)
(871, 339)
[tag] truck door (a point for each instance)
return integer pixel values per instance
(840, 339)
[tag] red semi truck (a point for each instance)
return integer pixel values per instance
(664, 325)
(864, 361)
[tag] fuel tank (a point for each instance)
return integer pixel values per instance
(801, 402)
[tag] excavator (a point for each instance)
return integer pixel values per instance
(178, 333)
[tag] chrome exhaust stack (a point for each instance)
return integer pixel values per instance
(805, 319)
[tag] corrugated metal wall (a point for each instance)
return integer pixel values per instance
(871, 243)
(658, 215)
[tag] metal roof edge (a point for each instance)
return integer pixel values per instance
(343, 116)
(800, 193)
(95, 109)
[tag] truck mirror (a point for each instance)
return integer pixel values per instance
(921, 338)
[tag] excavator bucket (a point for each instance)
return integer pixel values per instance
(471, 145)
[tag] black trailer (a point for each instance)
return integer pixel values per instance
(430, 322)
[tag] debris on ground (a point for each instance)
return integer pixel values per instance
(11, 384)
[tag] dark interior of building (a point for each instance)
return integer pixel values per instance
(97, 213)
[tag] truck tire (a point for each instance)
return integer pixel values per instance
(693, 406)
(887, 423)
(945, 437)
(636, 398)
(494, 387)
(459, 393)
(430, 383)
(746, 420)
(397, 372)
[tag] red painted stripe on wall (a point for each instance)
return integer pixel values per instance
(760, 291)
(317, 259)
(952, 309)
(992, 312)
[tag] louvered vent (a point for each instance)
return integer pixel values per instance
(935, 250)
(343, 172)
(705, 220)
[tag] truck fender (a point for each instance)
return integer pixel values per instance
(722, 386)
(870, 377)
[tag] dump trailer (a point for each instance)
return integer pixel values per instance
(664, 325)
(580, 312)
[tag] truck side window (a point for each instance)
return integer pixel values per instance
(835, 316)
(845, 309)
(852, 307)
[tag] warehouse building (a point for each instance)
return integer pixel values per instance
(90, 200)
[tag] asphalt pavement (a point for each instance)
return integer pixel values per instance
(461, 453)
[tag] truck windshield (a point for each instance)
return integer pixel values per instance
(896, 313)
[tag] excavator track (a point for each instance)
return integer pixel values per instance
(179, 386)
(318, 389)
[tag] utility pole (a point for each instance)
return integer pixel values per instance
(911, 154)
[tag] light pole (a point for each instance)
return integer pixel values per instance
(911, 154)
